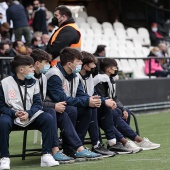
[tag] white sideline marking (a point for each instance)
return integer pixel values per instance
(157, 159)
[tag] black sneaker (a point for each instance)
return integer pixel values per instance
(69, 152)
(102, 150)
(119, 148)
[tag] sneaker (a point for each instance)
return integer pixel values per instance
(119, 148)
(88, 155)
(5, 163)
(146, 144)
(48, 160)
(62, 158)
(102, 150)
(131, 146)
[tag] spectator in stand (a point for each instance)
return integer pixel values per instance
(67, 35)
(51, 28)
(4, 64)
(18, 48)
(100, 51)
(45, 38)
(29, 10)
(164, 62)
(37, 43)
(156, 68)
(39, 18)
(4, 31)
(1, 17)
(155, 36)
(17, 13)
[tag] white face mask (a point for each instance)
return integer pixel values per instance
(30, 11)
(158, 53)
(154, 29)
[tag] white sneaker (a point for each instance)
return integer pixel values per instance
(146, 144)
(131, 146)
(48, 160)
(5, 163)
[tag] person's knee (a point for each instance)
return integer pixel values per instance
(46, 117)
(5, 122)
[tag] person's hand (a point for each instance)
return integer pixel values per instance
(111, 104)
(19, 113)
(125, 115)
(60, 107)
(95, 101)
(24, 116)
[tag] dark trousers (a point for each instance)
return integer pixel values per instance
(106, 121)
(66, 122)
(93, 128)
(121, 114)
(83, 121)
(43, 123)
(52, 112)
(122, 127)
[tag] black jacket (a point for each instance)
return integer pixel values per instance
(102, 90)
(67, 36)
(39, 22)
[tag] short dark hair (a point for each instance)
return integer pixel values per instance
(40, 55)
(100, 48)
(33, 40)
(69, 55)
(106, 63)
(15, 44)
(19, 60)
(63, 10)
(9, 1)
(88, 58)
(2, 45)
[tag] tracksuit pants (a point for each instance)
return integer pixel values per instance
(43, 122)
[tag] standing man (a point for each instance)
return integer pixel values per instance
(17, 13)
(39, 18)
(67, 35)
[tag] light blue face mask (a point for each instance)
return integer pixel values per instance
(46, 68)
(78, 69)
(0, 20)
(29, 76)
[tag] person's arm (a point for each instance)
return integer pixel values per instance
(56, 93)
(67, 36)
(48, 104)
(37, 103)
(4, 108)
(8, 17)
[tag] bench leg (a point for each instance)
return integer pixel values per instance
(136, 123)
(24, 144)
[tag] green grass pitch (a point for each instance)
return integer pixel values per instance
(154, 126)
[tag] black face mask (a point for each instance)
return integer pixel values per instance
(7, 52)
(55, 21)
(35, 8)
(5, 32)
(116, 72)
(90, 72)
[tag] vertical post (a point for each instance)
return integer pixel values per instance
(149, 68)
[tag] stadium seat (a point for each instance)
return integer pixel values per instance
(118, 25)
(91, 20)
(80, 20)
(84, 25)
(145, 51)
(106, 25)
(131, 33)
(120, 33)
(129, 45)
(83, 14)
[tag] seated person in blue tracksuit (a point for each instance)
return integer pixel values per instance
(105, 113)
(105, 86)
(41, 65)
(86, 79)
(20, 103)
(64, 85)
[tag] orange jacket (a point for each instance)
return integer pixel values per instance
(76, 46)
